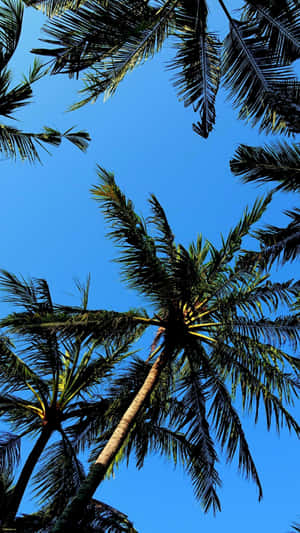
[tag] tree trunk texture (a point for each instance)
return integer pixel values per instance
(75, 509)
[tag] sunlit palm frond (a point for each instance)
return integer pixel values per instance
(143, 268)
(51, 8)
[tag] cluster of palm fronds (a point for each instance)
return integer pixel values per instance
(14, 142)
(220, 335)
(110, 38)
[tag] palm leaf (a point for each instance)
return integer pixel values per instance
(93, 33)
(234, 240)
(281, 244)
(273, 163)
(52, 8)
(143, 269)
(280, 31)
(9, 451)
(255, 81)
(11, 18)
(198, 64)
(15, 143)
(228, 426)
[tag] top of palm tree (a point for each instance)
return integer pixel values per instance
(110, 38)
(218, 332)
(53, 385)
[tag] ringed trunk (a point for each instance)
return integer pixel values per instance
(75, 509)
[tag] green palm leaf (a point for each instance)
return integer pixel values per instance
(142, 266)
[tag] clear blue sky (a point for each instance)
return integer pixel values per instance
(51, 228)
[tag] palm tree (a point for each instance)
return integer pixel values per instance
(110, 38)
(50, 388)
(214, 341)
(279, 163)
(60, 477)
(14, 142)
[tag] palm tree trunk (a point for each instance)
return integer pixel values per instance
(75, 508)
(25, 475)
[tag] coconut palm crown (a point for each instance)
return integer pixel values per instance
(111, 37)
(217, 339)
(47, 390)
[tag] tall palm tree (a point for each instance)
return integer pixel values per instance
(279, 163)
(214, 340)
(14, 142)
(110, 38)
(50, 388)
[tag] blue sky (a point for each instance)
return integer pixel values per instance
(52, 228)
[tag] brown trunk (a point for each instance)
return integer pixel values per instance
(76, 507)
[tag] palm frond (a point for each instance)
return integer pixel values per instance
(58, 477)
(9, 451)
(16, 143)
(280, 31)
(272, 163)
(11, 18)
(93, 33)
(142, 268)
(234, 240)
(280, 244)
(228, 427)
(255, 81)
(20, 95)
(165, 235)
(197, 63)
(282, 330)
(52, 8)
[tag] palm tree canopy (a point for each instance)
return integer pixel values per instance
(216, 336)
(110, 38)
(14, 142)
(54, 385)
